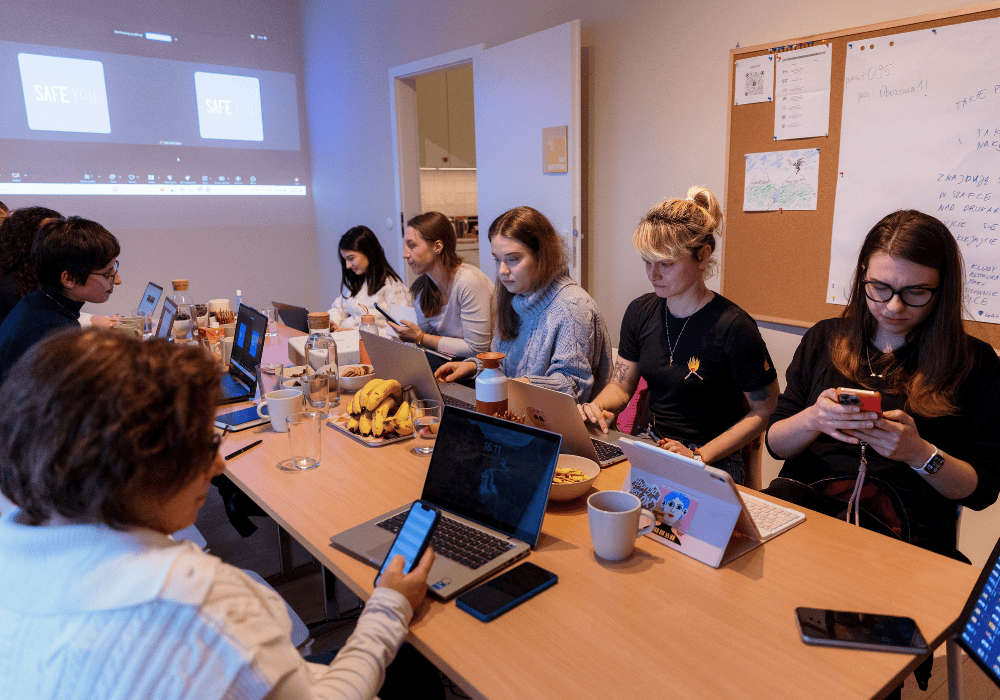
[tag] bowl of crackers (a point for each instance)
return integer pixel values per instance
(574, 476)
(354, 377)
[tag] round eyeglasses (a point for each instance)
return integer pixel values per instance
(110, 276)
(915, 296)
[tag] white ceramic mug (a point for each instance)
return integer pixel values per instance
(614, 523)
(280, 404)
(218, 305)
(227, 350)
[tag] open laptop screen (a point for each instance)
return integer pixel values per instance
(149, 299)
(248, 345)
(978, 629)
(167, 314)
(492, 471)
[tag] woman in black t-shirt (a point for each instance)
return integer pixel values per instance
(936, 443)
(701, 355)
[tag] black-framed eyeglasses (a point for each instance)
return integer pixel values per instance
(916, 295)
(110, 276)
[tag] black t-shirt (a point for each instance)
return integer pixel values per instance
(972, 436)
(718, 356)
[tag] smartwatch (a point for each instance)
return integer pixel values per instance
(932, 465)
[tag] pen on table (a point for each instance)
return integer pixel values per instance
(242, 450)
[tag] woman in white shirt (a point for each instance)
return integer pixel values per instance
(452, 300)
(98, 601)
(366, 278)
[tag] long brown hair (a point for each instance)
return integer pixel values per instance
(434, 226)
(942, 356)
(530, 228)
(362, 239)
(678, 227)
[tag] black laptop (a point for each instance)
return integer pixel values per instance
(240, 383)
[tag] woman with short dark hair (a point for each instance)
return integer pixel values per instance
(936, 444)
(110, 449)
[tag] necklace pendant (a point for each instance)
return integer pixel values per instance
(671, 361)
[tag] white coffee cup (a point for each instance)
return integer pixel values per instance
(280, 404)
(614, 523)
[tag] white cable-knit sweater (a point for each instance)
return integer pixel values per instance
(90, 613)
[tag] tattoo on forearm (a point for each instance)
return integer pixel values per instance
(619, 374)
(759, 394)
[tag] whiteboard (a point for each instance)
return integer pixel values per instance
(921, 130)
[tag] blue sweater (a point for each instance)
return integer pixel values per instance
(36, 316)
(562, 343)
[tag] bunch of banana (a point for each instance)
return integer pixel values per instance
(372, 410)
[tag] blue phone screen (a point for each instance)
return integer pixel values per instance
(411, 536)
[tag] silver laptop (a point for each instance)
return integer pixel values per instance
(557, 412)
(490, 478)
(394, 359)
(699, 511)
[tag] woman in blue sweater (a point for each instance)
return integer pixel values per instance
(549, 329)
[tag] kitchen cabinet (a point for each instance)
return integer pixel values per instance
(446, 122)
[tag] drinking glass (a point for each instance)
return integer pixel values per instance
(269, 377)
(304, 438)
(272, 320)
(315, 392)
(426, 419)
(321, 358)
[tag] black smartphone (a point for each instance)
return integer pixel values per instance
(492, 599)
(240, 420)
(413, 537)
(855, 630)
(386, 314)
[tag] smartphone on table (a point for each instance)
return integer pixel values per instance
(413, 538)
(385, 313)
(853, 630)
(870, 401)
(492, 599)
(240, 420)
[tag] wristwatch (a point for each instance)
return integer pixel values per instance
(696, 456)
(932, 465)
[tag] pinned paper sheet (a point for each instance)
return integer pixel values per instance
(754, 81)
(781, 180)
(802, 93)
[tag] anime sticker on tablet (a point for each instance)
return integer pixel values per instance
(674, 515)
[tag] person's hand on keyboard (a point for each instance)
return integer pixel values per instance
(453, 371)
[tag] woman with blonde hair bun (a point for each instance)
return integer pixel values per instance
(701, 355)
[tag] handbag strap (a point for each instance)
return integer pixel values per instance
(854, 502)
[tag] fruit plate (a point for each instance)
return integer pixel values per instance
(339, 422)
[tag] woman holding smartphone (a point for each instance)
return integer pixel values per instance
(549, 329)
(701, 355)
(452, 299)
(367, 278)
(937, 441)
(116, 608)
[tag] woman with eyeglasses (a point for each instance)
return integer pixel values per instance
(937, 442)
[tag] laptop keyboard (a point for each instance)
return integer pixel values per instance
(768, 517)
(456, 403)
(457, 541)
(606, 451)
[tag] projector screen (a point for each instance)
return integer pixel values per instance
(106, 103)
(178, 125)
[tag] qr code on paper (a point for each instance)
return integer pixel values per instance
(755, 83)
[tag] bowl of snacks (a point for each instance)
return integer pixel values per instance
(574, 476)
(354, 377)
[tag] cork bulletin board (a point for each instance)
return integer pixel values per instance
(776, 264)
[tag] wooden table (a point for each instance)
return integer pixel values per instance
(657, 624)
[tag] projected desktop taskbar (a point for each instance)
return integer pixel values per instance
(97, 188)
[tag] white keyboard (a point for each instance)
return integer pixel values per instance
(770, 518)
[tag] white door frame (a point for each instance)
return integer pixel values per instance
(405, 144)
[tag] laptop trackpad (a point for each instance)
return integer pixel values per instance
(378, 554)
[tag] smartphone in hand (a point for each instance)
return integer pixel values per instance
(413, 537)
(385, 313)
(870, 401)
